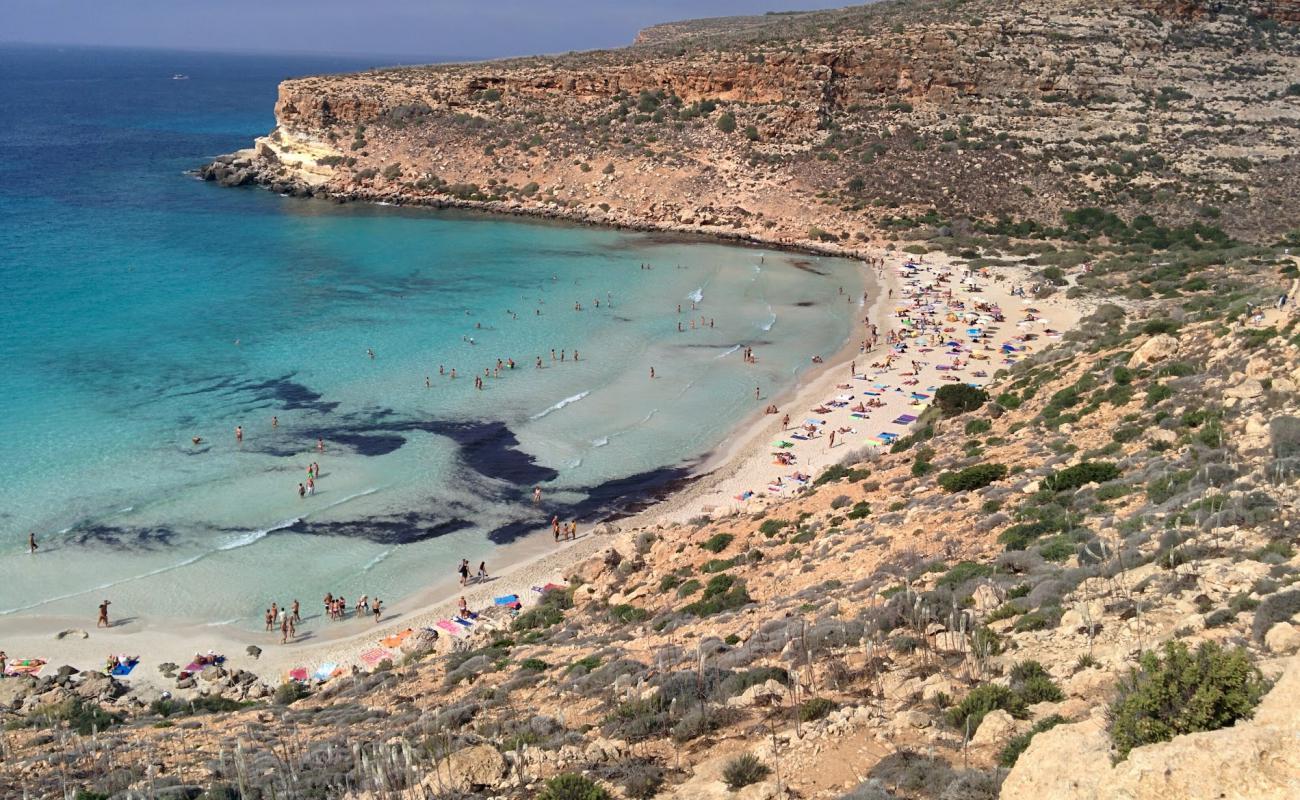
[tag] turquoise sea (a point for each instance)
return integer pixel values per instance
(142, 308)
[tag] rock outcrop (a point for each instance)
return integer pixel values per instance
(1253, 760)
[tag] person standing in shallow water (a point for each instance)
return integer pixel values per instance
(31, 543)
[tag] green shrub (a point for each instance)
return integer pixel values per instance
(744, 770)
(971, 478)
(860, 510)
(626, 613)
(723, 593)
(1040, 620)
(689, 588)
(82, 716)
(1033, 685)
(548, 612)
(977, 426)
(959, 398)
(815, 708)
(962, 572)
(967, 715)
(289, 692)
(727, 122)
(1081, 474)
(771, 527)
(1182, 693)
(1018, 744)
(534, 665)
(1057, 549)
(571, 786)
(717, 542)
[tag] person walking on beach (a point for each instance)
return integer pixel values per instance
(652, 373)
(295, 617)
(757, 393)
(376, 607)
(320, 445)
(4, 660)
(555, 526)
(270, 620)
(464, 572)
(103, 622)
(311, 486)
(482, 570)
(31, 543)
(284, 631)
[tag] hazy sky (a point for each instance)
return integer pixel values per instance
(411, 28)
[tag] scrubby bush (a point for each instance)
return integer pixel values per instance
(82, 716)
(815, 708)
(772, 527)
(971, 478)
(1081, 474)
(959, 398)
(967, 715)
(571, 786)
(289, 692)
(1032, 683)
(548, 612)
(744, 770)
(717, 542)
(963, 571)
(723, 593)
(1183, 692)
(1274, 609)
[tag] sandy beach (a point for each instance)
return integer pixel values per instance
(866, 398)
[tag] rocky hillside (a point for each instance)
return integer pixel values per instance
(827, 127)
(1071, 587)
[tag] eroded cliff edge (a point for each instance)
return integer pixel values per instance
(830, 127)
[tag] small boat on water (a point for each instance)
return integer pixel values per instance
(180, 76)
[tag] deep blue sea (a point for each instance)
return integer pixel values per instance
(142, 308)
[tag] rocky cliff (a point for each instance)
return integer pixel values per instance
(828, 126)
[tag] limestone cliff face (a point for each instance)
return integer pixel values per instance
(824, 126)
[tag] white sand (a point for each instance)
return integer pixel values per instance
(745, 463)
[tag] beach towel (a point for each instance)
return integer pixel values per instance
(745, 495)
(506, 600)
(462, 622)
(904, 419)
(374, 656)
(25, 666)
(859, 415)
(325, 671)
(298, 674)
(783, 444)
(124, 669)
(395, 641)
(799, 436)
(449, 626)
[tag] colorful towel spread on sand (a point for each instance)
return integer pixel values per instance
(783, 444)
(374, 656)
(123, 669)
(461, 621)
(395, 641)
(904, 419)
(506, 600)
(25, 666)
(325, 671)
(298, 674)
(449, 626)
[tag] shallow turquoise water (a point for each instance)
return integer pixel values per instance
(143, 307)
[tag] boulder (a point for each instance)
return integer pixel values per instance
(212, 672)
(14, 690)
(988, 597)
(1245, 390)
(1257, 758)
(997, 727)
(1154, 350)
(419, 643)
(97, 686)
(469, 769)
(1282, 639)
(760, 694)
